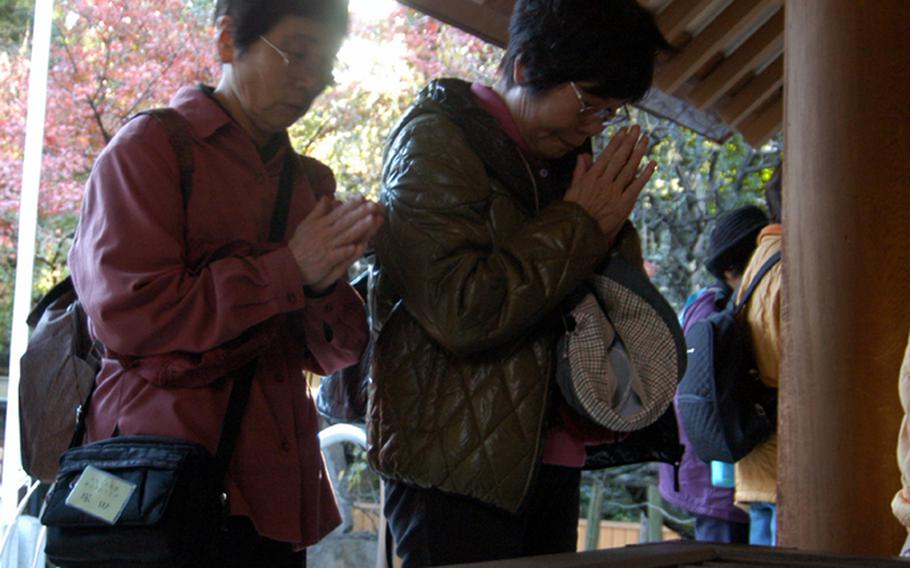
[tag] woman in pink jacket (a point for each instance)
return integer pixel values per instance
(184, 294)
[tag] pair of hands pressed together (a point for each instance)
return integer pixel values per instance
(607, 187)
(335, 234)
(331, 237)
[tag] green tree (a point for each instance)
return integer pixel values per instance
(15, 20)
(697, 180)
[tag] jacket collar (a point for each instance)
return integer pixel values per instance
(774, 229)
(204, 114)
(206, 117)
(500, 154)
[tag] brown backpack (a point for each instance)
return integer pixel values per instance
(58, 369)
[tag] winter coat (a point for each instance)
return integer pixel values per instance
(476, 255)
(756, 474)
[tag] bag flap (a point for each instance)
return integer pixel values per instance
(155, 465)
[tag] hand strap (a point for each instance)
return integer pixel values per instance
(775, 258)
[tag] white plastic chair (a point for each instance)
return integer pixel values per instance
(16, 547)
(351, 434)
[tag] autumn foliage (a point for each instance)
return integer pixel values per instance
(111, 59)
(108, 61)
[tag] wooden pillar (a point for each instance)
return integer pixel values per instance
(846, 271)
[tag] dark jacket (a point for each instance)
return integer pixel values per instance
(476, 255)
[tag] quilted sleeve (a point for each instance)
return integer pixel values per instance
(471, 288)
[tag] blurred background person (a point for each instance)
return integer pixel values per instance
(717, 519)
(756, 473)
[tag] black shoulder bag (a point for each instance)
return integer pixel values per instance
(168, 493)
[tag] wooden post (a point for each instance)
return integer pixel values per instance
(595, 509)
(655, 515)
(846, 272)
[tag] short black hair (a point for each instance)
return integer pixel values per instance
(610, 43)
(253, 18)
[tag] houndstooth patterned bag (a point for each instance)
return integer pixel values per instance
(623, 353)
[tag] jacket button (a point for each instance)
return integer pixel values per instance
(285, 446)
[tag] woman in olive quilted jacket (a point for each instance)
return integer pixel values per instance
(496, 211)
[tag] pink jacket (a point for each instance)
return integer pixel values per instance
(182, 298)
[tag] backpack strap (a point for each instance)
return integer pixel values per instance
(178, 129)
(775, 258)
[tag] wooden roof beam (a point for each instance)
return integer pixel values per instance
(713, 39)
(754, 93)
(478, 18)
(675, 18)
(765, 123)
(766, 41)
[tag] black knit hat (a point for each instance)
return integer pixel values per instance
(733, 238)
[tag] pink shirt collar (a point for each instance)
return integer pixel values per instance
(490, 101)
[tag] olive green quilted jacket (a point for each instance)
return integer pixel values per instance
(477, 253)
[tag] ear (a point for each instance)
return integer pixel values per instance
(224, 38)
(518, 71)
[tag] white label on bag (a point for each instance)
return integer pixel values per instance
(100, 494)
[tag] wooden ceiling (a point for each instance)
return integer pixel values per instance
(727, 72)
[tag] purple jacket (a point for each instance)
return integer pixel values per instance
(696, 494)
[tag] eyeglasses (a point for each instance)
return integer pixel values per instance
(305, 61)
(607, 116)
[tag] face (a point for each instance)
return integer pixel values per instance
(559, 120)
(278, 77)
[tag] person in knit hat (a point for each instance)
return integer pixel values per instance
(717, 519)
(733, 241)
(756, 473)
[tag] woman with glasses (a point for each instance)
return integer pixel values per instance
(187, 281)
(497, 211)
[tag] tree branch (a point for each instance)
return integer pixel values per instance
(91, 103)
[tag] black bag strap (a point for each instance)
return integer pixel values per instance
(283, 199)
(240, 394)
(230, 428)
(768, 265)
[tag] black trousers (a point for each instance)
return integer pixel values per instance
(243, 547)
(432, 528)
